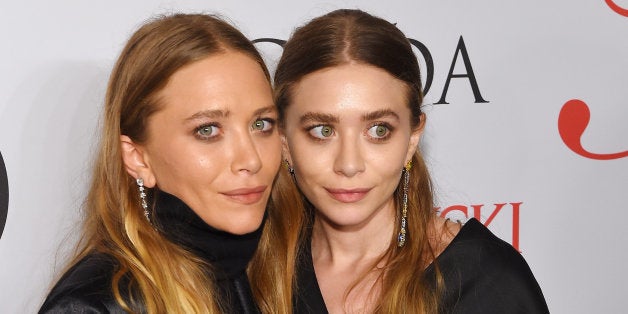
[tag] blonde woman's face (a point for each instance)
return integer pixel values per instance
(214, 143)
(348, 136)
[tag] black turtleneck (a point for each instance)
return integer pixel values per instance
(86, 286)
(227, 253)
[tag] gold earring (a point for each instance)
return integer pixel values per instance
(401, 238)
(289, 167)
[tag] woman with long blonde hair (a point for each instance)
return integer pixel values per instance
(176, 219)
(348, 91)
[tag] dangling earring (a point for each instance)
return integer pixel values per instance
(140, 185)
(289, 167)
(401, 238)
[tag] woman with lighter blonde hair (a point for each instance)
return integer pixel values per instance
(177, 219)
(348, 91)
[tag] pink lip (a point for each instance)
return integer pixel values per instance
(348, 195)
(246, 196)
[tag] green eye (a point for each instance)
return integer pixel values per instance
(326, 131)
(258, 125)
(262, 125)
(322, 131)
(207, 131)
(378, 131)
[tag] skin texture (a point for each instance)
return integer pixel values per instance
(348, 136)
(353, 157)
(213, 143)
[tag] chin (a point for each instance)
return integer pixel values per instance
(242, 230)
(243, 225)
(344, 220)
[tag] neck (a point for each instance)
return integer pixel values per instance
(348, 259)
(229, 253)
(337, 245)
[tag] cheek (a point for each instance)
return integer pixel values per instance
(196, 161)
(311, 159)
(270, 154)
(199, 166)
(204, 162)
(391, 174)
(162, 162)
(314, 173)
(387, 161)
(393, 152)
(388, 156)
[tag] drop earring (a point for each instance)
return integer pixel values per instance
(289, 167)
(401, 238)
(140, 186)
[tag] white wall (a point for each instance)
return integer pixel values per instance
(529, 58)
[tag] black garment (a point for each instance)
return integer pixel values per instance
(86, 287)
(482, 274)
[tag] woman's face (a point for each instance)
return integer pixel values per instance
(214, 142)
(348, 136)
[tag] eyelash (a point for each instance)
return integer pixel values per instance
(309, 129)
(198, 129)
(389, 127)
(270, 129)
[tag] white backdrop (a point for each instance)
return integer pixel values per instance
(563, 209)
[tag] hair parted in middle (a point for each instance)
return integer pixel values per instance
(356, 37)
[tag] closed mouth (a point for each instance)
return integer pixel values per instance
(246, 195)
(348, 195)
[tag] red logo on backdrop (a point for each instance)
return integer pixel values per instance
(477, 214)
(572, 121)
(619, 10)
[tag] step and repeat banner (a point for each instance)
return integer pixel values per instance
(527, 106)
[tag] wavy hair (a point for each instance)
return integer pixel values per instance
(353, 36)
(164, 277)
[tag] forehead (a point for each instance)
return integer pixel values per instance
(220, 81)
(349, 88)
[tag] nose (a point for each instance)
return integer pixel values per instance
(246, 157)
(349, 161)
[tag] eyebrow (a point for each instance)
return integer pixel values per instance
(212, 114)
(318, 117)
(217, 113)
(269, 109)
(379, 114)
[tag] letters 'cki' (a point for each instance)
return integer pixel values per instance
(480, 211)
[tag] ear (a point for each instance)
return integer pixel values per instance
(136, 161)
(415, 138)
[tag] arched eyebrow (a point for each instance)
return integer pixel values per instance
(318, 117)
(370, 116)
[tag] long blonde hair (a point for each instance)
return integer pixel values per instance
(345, 36)
(164, 277)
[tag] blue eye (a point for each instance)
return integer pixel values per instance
(207, 131)
(379, 131)
(263, 125)
(322, 131)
